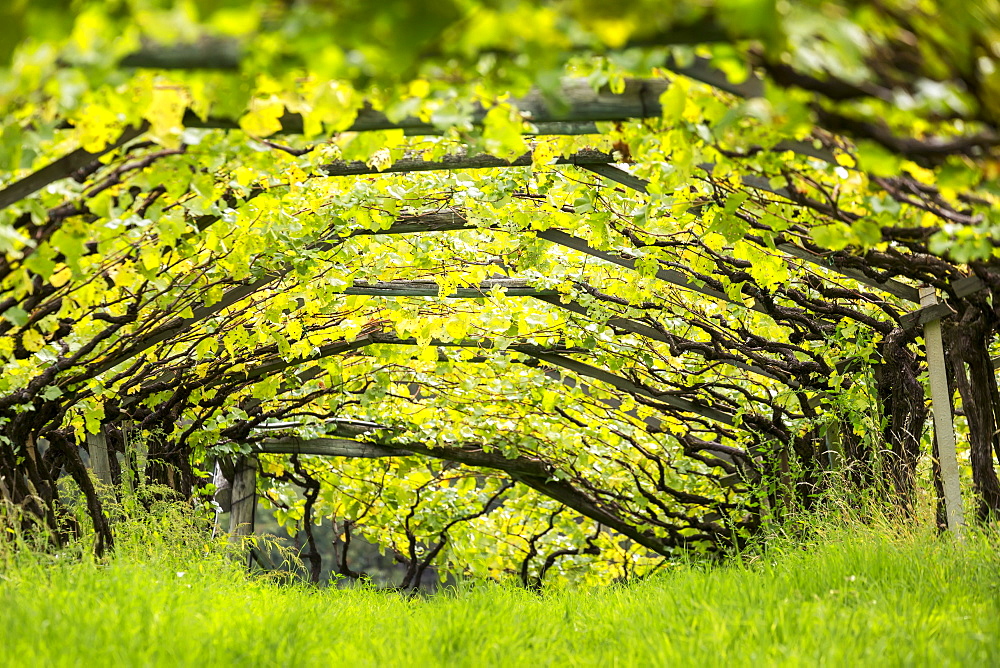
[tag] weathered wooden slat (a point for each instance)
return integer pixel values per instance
(930, 312)
(967, 286)
(223, 496)
(369, 120)
(208, 53)
(834, 445)
(61, 168)
(327, 447)
(458, 161)
(618, 175)
(435, 221)
(512, 287)
(944, 426)
(472, 456)
(338, 427)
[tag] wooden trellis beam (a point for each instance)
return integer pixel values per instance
(62, 168)
(640, 329)
(932, 309)
(969, 285)
(341, 427)
(226, 54)
(512, 287)
(211, 52)
(584, 105)
(550, 355)
(370, 120)
(891, 286)
(600, 161)
(671, 276)
(454, 221)
(579, 108)
(343, 439)
(328, 447)
(626, 385)
(472, 456)
(414, 163)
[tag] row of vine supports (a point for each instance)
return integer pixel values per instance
(237, 481)
(967, 344)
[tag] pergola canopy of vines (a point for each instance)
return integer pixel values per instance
(555, 288)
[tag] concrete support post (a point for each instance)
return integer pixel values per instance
(944, 427)
(244, 499)
(97, 446)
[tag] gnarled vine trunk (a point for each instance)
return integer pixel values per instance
(904, 411)
(968, 340)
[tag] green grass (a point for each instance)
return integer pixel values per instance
(854, 597)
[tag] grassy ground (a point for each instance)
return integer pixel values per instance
(854, 597)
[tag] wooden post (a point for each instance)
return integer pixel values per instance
(97, 446)
(244, 499)
(944, 427)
